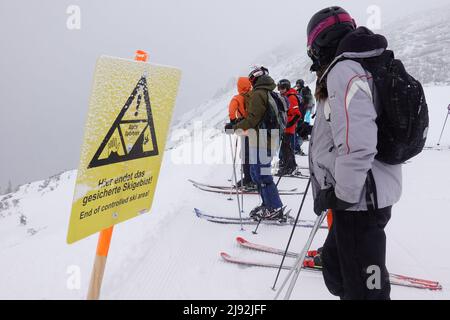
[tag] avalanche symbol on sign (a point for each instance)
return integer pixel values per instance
(132, 135)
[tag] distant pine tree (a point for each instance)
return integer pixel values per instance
(9, 188)
(23, 220)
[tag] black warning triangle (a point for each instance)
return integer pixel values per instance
(132, 135)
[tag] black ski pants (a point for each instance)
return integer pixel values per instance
(287, 155)
(354, 255)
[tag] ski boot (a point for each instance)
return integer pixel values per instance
(274, 215)
(313, 253)
(314, 259)
(256, 213)
(313, 263)
(250, 187)
(286, 171)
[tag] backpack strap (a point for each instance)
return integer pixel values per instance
(371, 192)
(296, 97)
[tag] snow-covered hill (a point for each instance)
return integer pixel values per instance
(422, 43)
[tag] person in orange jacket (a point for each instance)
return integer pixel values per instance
(238, 106)
(288, 164)
(238, 111)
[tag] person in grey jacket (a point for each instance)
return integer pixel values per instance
(345, 175)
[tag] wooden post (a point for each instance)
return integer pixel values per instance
(104, 239)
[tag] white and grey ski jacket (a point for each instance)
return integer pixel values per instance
(344, 139)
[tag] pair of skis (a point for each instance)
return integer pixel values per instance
(437, 148)
(232, 190)
(295, 175)
(395, 279)
(249, 221)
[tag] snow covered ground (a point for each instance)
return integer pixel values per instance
(171, 254)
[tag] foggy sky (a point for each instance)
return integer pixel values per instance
(46, 69)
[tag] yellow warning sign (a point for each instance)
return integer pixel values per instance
(128, 121)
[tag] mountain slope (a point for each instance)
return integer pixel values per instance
(423, 44)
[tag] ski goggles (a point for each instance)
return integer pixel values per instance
(312, 53)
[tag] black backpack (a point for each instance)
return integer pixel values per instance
(276, 113)
(307, 97)
(403, 121)
(301, 105)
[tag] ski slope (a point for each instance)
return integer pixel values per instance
(171, 254)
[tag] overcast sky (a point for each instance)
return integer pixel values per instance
(46, 69)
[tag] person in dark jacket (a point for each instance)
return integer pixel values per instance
(288, 165)
(346, 177)
(306, 108)
(263, 145)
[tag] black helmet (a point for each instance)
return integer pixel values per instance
(300, 84)
(325, 30)
(258, 71)
(284, 85)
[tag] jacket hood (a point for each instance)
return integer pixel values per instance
(244, 85)
(362, 41)
(265, 83)
(291, 91)
(359, 44)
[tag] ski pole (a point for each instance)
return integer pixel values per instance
(279, 150)
(295, 271)
(233, 155)
(231, 178)
(242, 172)
(255, 232)
(279, 180)
(443, 128)
(235, 181)
(292, 234)
(302, 257)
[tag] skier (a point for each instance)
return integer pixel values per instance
(237, 112)
(288, 164)
(345, 175)
(304, 126)
(305, 93)
(261, 150)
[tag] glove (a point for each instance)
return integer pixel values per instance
(327, 199)
(229, 128)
